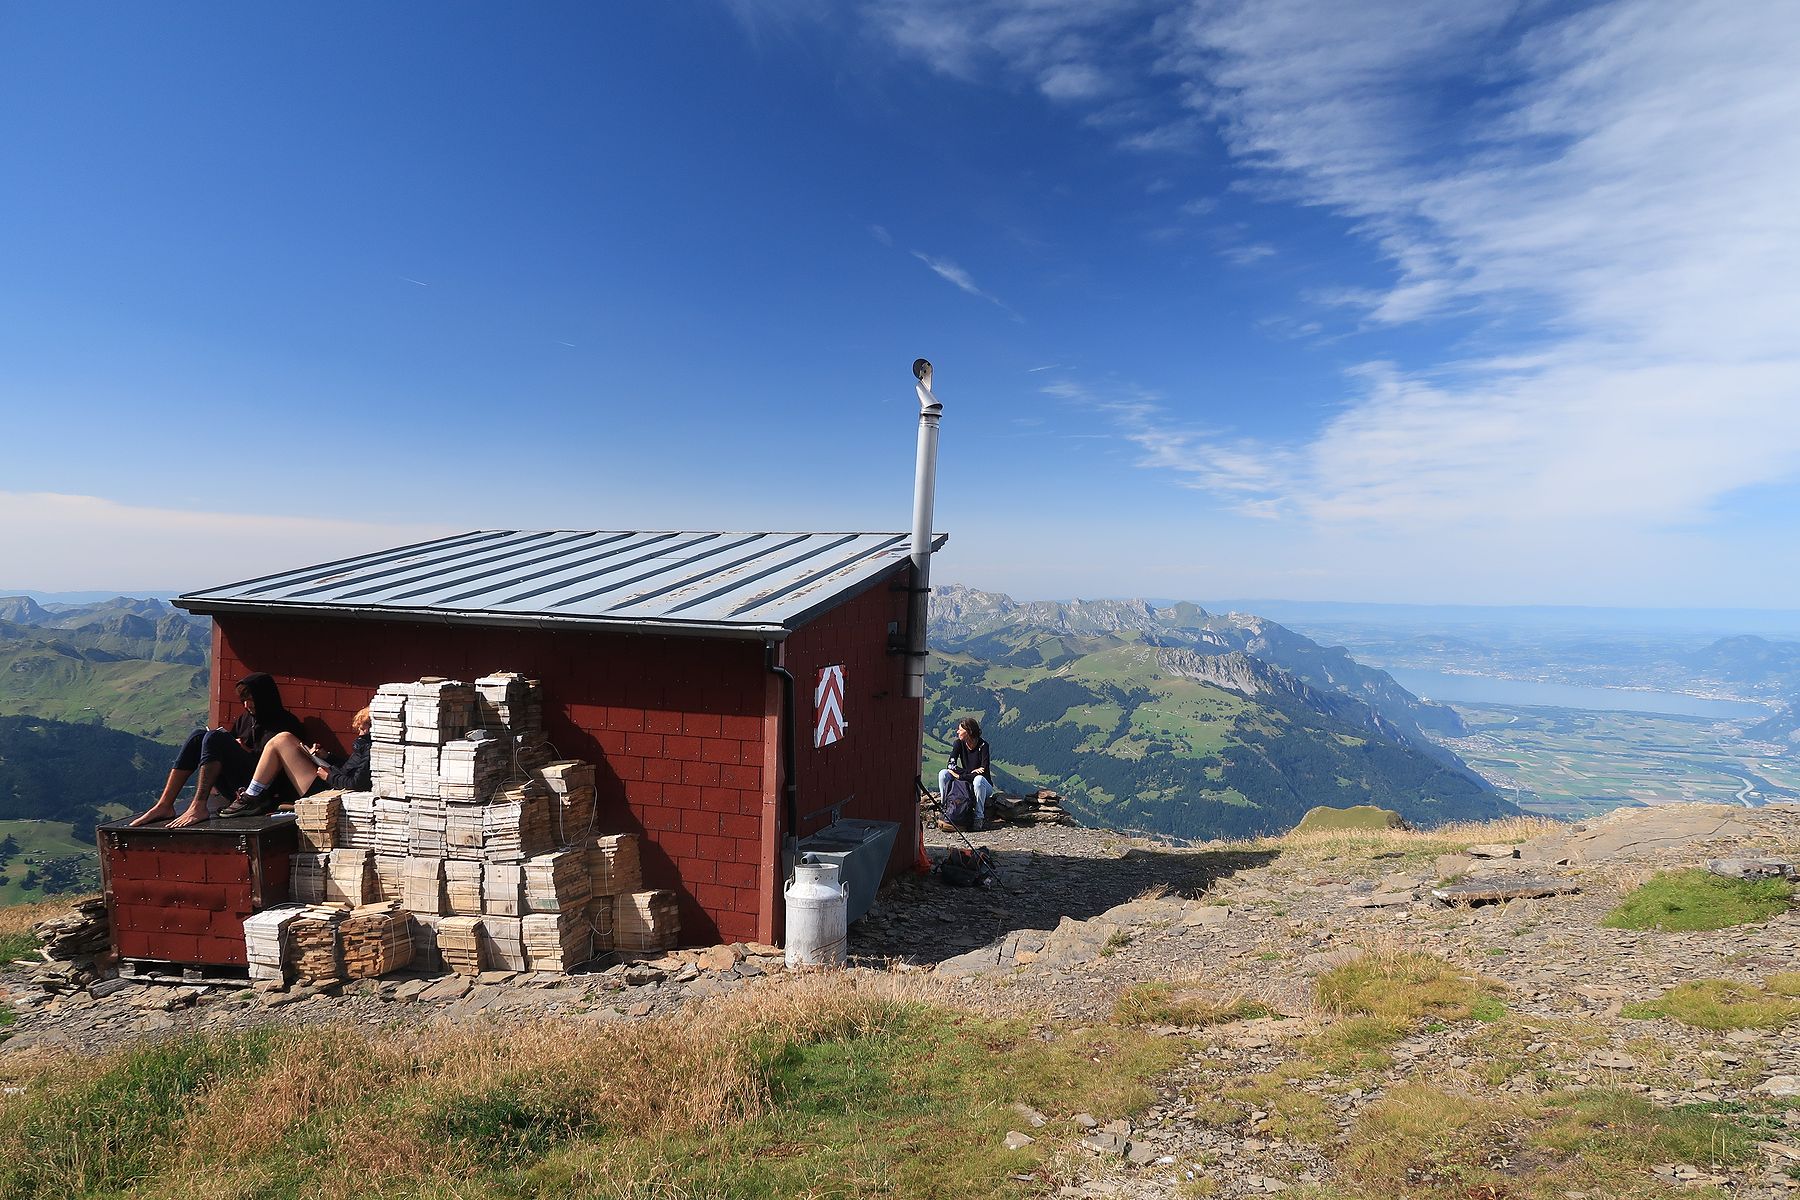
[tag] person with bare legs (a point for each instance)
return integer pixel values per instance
(223, 760)
(288, 770)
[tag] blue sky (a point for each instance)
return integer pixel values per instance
(1425, 302)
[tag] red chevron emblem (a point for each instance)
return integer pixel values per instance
(829, 724)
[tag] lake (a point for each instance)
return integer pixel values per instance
(1487, 689)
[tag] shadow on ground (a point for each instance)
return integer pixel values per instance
(919, 919)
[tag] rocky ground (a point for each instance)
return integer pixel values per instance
(1077, 917)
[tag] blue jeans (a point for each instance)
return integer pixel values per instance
(217, 745)
(981, 785)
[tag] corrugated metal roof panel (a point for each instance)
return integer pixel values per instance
(753, 584)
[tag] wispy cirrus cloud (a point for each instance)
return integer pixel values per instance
(1628, 247)
(950, 273)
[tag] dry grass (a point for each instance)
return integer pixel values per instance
(1414, 844)
(828, 1076)
(1191, 1003)
(19, 918)
(1399, 985)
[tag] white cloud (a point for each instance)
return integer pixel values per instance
(948, 271)
(880, 233)
(1607, 195)
(55, 542)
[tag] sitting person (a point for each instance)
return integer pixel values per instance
(287, 770)
(969, 763)
(223, 760)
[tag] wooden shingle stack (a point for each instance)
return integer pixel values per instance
(423, 888)
(517, 824)
(265, 942)
(420, 773)
(570, 783)
(350, 877)
(613, 864)
(503, 890)
(387, 768)
(645, 921)
(462, 887)
(393, 822)
(317, 817)
(438, 711)
(313, 942)
(356, 825)
(507, 700)
(375, 939)
(459, 944)
(502, 943)
(390, 877)
(600, 917)
(306, 876)
(465, 830)
(556, 941)
(425, 822)
(469, 769)
(557, 882)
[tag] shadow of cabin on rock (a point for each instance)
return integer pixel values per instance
(925, 921)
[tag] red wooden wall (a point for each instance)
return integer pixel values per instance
(682, 730)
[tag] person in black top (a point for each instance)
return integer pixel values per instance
(222, 759)
(288, 770)
(969, 761)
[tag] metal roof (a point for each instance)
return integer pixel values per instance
(737, 584)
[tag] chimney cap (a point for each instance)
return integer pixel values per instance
(922, 370)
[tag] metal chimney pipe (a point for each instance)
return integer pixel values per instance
(924, 495)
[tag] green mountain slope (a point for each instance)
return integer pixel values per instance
(134, 665)
(1167, 721)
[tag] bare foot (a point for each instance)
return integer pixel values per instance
(192, 816)
(156, 813)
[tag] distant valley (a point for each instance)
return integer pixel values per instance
(1178, 721)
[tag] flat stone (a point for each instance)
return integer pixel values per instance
(412, 988)
(496, 977)
(1140, 1154)
(1493, 850)
(1102, 1142)
(1032, 1116)
(1382, 900)
(450, 987)
(640, 1009)
(720, 958)
(1499, 888)
(1783, 1086)
(639, 974)
(1203, 916)
(1017, 1141)
(107, 987)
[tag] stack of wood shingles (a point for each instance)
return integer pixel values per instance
(375, 939)
(313, 945)
(317, 817)
(265, 942)
(624, 916)
(474, 828)
(570, 783)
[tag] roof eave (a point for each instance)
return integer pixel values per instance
(203, 606)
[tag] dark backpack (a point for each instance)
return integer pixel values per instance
(968, 868)
(959, 803)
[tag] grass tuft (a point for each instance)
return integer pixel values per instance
(1696, 900)
(1721, 1004)
(1404, 986)
(1168, 1004)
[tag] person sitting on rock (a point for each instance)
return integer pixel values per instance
(223, 760)
(969, 763)
(287, 770)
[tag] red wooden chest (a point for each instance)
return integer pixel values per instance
(181, 895)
